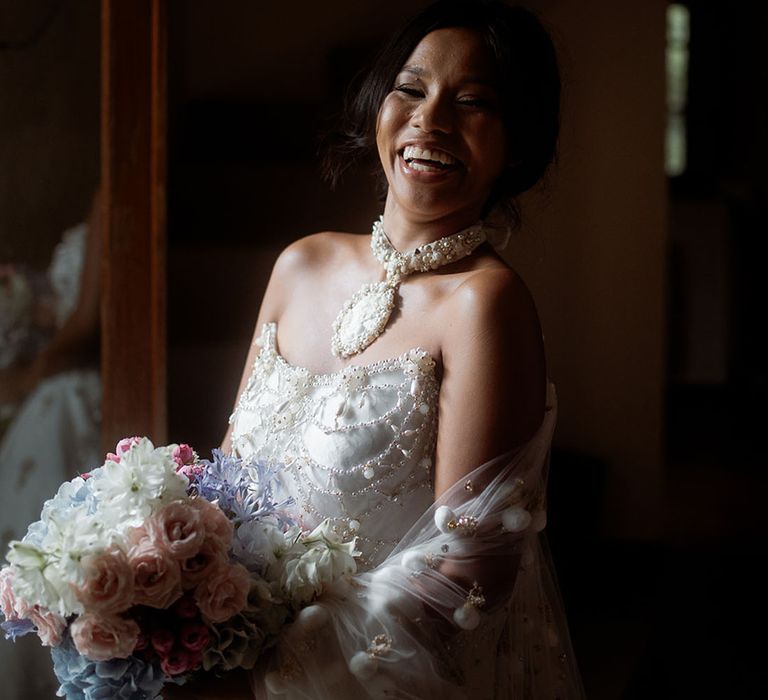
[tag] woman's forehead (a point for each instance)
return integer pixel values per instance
(457, 52)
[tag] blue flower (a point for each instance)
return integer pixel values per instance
(17, 628)
(244, 492)
(117, 679)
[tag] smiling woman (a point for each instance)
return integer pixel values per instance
(440, 133)
(399, 381)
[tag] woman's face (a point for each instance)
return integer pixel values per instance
(440, 134)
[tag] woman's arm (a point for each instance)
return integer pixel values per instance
(493, 390)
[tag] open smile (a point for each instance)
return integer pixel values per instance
(428, 160)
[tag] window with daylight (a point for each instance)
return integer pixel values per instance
(678, 32)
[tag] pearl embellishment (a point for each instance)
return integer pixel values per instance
(364, 316)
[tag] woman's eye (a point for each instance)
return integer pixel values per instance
(409, 90)
(479, 102)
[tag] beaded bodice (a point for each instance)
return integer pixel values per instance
(355, 445)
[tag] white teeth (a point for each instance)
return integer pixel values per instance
(423, 167)
(411, 152)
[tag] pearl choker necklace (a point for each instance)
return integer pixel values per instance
(364, 317)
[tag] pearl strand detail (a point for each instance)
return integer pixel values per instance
(365, 315)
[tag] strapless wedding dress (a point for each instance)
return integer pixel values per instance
(356, 446)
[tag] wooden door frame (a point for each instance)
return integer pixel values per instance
(133, 188)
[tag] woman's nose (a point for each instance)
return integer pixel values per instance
(433, 114)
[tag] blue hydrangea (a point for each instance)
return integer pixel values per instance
(70, 496)
(117, 679)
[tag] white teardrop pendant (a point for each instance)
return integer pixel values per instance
(362, 319)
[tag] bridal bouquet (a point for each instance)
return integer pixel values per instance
(158, 564)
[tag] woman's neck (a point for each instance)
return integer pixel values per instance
(406, 232)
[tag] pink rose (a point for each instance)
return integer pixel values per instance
(178, 529)
(108, 587)
(137, 534)
(211, 558)
(156, 576)
(180, 661)
(224, 594)
(162, 641)
(50, 626)
(194, 636)
(104, 637)
(183, 454)
(216, 523)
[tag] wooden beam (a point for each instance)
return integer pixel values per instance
(133, 183)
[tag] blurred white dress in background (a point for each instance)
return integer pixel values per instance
(53, 436)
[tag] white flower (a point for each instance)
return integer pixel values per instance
(144, 479)
(48, 568)
(259, 541)
(325, 559)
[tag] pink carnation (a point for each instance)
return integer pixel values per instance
(216, 523)
(177, 529)
(180, 661)
(104, 637)
(183, 454)
(211, 559)
(224, 594)
(156, 576)
(49, 625)
(108, 586)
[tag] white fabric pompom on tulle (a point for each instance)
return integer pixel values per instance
(313, 617)
(414, 560)
(363, 666)
(467, 617)
(443, 516)
(515, 519)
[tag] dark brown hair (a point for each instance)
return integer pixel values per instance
(528, 85)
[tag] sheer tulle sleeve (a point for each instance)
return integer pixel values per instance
(465, 606)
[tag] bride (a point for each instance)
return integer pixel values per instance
(399, 381)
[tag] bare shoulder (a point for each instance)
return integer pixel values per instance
(316, 251)
(300, 267)
(494, 299)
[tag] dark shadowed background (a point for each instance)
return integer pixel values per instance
(647, 270)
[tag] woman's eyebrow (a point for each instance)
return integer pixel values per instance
(474, 79)
(416, 70)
